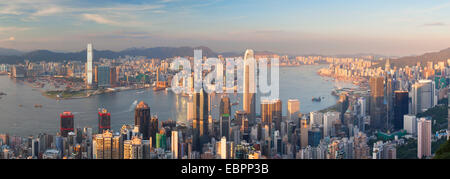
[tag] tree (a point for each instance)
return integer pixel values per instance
(444, 151)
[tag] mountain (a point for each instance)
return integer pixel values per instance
(442, 55)
(7, 52)
(157, 52)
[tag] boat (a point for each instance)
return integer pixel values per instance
(158, 88)
(38, 106)
(319, 99)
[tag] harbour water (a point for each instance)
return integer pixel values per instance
(19, 116)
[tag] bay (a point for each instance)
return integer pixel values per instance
(18, 116)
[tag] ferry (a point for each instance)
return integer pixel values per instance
(319, 99)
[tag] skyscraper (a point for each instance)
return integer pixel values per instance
(400, 108)
(161, 140)
(423, 138)
(225, 113)
(67, 123)
(423, 96)
(117, 146)
(89, 74)
(363, 106)
(153, 128)
(249, 100)
(104, 120)
(103, 145)
(223, 148)
(303, 133)
(142, 119)
(200, 119)
(293, 109)
(136, 148)
(377, 105)
(410, 124)
(174, 144)
(104, 79)
(266, 112)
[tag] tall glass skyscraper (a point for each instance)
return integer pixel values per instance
(104, 120)
(89, 73)
(225, 112)
(104, 79)
(142, 119)
(249, 101)
(67, 123)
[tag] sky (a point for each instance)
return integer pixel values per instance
(328, 27)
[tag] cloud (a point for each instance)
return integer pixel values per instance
(26, 10)
(48, 11)
(9, 39)
(12, 29)
(120, 34)
(434, 24)
(99, 19)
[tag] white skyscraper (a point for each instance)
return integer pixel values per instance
(89, 73)
(316, 118)
(423, 138)
(363, 105)
(174, 143)
(249, 101)
(293, 109)
(410, 124)
(329, 119)
(223, 148)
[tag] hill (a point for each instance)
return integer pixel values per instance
(444, 151)
(435, 57)
(157, 52)
(8, 52)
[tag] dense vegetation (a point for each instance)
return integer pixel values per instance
(444, 151)
(409, 150)
(439, 114)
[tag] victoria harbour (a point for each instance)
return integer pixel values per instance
(295, 82)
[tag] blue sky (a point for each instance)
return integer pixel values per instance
(391, 27)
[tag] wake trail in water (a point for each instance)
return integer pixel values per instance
(132, 106)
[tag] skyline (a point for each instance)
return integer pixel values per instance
(324, 27)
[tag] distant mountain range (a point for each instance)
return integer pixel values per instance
(435, 57)
(9, 52)
(9, 57)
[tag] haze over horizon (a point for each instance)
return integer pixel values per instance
(326, 27)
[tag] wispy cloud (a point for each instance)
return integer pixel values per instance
(48, 11)
(120, 34)
(12, 29)
(99, 19)
(27, 10)
(434, 24)
(9, 39)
